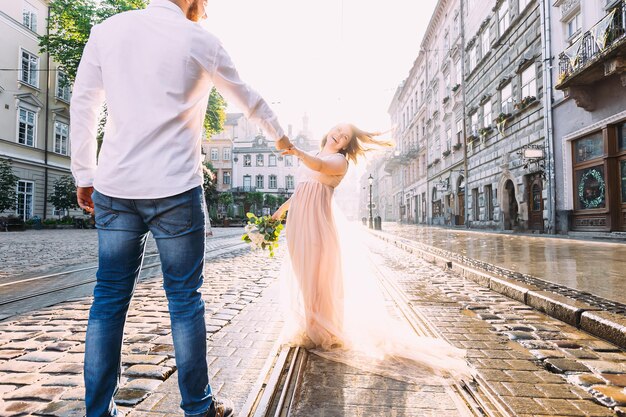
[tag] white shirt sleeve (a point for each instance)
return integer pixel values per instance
(228, 84)
(86, 103)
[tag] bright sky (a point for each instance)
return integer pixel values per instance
(336, 60)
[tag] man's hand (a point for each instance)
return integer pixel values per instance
(283, 143)
(83, 195)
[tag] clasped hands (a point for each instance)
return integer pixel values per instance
(284, 144)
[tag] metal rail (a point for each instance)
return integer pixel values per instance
(90, 279)
(277, 389)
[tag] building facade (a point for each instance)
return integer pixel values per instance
(427, 166)
(505, 117)
(588, 40)
(258, 167)
(34, 108)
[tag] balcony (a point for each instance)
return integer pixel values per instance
(243, 189)
(597, 53)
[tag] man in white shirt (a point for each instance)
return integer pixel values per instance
(155, 67)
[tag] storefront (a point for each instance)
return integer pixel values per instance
(599, 180)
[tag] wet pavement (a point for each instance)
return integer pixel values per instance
(595, 267)
(533, 364)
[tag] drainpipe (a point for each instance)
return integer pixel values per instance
(546, 41)
(463, 98)
(46, 135)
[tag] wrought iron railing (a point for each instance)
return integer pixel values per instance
(593, 43)
(243, 189)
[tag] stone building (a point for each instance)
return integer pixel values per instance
(258, 167)
(588, 42)
(505, 116)
(427, 110)
(34, 108)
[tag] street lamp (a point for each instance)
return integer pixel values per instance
(371, 222)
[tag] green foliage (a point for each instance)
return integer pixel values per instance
(271, 201)
(215, 114)
(226, 198)
(8, 186)
(267, 227)
(70, 24)
(64, 195)
(210, 185)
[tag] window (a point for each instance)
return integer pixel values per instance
(259, 181)
(529, 82)
(226, 178)
(523, 4)
(573, 26)
(487, 115)
(29, 67)
(273, 182)
(446, 42)
(506, 96)
(63, 86)
(26, 127)
(25, 195)
(29, 17)
(459, 72)
(475, 208)
(459, 131)
(61, 137)
(489, 201)
(590, 181)
(289, 182)
(260, 160)
(448, 139)
(455, 25)
(247, 160)
(247, 182)
(215, 154)
(504, 18)
(474, 121)
(226, 154)
(288, 161)
(271, 160)
(473, 58)
(485, 42)
(59, 212)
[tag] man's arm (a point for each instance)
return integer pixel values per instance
(227, 82)
(86, 103)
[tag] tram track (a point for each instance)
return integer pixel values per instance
(45, 286)
(276, 391)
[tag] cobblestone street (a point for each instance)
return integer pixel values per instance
(532, 364)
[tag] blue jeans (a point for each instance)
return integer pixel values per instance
(177, 224)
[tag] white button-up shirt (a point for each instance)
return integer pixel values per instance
(155, 69)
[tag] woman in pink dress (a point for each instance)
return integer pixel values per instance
(335, 305)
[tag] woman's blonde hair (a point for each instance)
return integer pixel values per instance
(360, 143)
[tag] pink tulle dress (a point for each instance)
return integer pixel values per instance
(333, 301)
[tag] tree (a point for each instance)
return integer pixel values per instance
(255, 199)
(70, 24)
(270, 201)
(225, 200)
(215, 114)
(8, 186)
(64, 195)
(210, 185)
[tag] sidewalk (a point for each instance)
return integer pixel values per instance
(587, 266)
(575, 281)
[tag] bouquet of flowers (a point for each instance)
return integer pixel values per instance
(262, 232)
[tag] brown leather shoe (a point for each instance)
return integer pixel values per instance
(221, 408)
